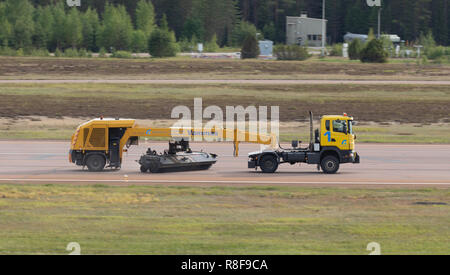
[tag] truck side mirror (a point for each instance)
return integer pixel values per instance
(294, 143)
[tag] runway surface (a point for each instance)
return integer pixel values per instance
(227, 81)
(47, 162)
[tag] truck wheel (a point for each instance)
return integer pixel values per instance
(95, 163)
(330, 165)
(144, 169)
(154, 167)
(268, 164)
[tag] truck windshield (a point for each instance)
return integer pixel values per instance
(350, 127)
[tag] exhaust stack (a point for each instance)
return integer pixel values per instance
(311, 129)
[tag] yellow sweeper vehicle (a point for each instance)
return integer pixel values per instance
(100, 143)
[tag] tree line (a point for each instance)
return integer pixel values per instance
(128, 24)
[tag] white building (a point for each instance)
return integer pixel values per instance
(304, 31)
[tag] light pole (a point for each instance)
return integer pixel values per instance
(323, 28)
(379, 23)
(376, 3)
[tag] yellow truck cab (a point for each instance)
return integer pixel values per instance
(337, 133)
(331, 145)
(338, 139)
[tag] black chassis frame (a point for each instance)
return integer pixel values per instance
(304, 156)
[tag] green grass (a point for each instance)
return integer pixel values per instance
(221, 220)
(38, 134)
(404, 133)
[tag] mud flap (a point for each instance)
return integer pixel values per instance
(357, 159)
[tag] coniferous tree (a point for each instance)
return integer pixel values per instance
(20, 15)
(59, 23)
(374, 52)
(211, 46)
(73, 29)
(440, 14)
(117, 29)
(354, 49)
(193, 27)
(90, 29)
(250, 48)
(5, 26)
(162, 42)
(242, 31)
(112, 23)
(43, 27)
(269, 31)
(139, 42)
(145, 17)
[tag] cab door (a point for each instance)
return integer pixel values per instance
(335, 134)
(351, 135)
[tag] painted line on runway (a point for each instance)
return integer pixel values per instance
(227, 81)
(225, 182)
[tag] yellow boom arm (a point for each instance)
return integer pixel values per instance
(209, 135)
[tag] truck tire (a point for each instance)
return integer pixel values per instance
(330, 165)
(95, 163)
(144, 169)
(268, 164)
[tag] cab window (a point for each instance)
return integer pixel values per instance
(327, 125)
(97, 138)
(85, 135)
(340, 126)
(350, 127)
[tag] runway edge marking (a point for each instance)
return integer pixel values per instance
(224, 181)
